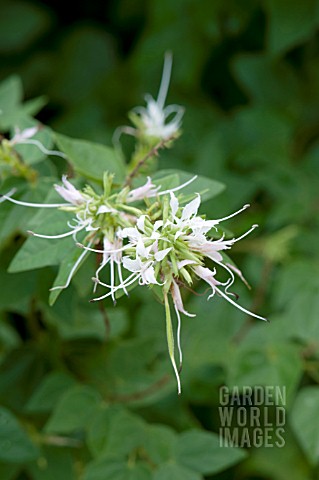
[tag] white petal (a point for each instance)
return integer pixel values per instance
(191, 208)
(158, 224)
(130, 232)
(178, 302)
(105, 209)
(183, 263)
(133, 265)
(148, 276)
(141, 250)
(173, 204)
(141, 223)
(162, 254)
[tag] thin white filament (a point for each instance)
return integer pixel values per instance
(34, 205)
(179, 187)
(42, 148)
(233, 214)
(61, 235)
(245, 234)
(102, 265)
(166, 75)
(119, 269)
(80, 245)
(179, 336)
(115, 289)
(73, 270)
(239, 306)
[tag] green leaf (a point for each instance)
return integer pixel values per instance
(160, 443)
(21, 23)
(20, 373)
(15, 445)
(54, 463)
(290, 23)
(270, 364)
(8, 471)
(116, 469)
(304, 415)
(40, 252)
(201, 451)
(10, 98)
(65, 269)
(74, 410)
(124, 433)
(92, 159)
(206, 187)
(49, 392)
(176, 472)
(75, 319)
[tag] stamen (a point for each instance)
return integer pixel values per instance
(170, 341)
(226, 297)
(115, 288)
(179, 187)
(179, 338)
(61, 235)
(35, 205)
(7, 196)
(112, 280)
(73, 270)
(80, 245)
(245, 234)
(167, 69)
(42, 148)
(119, 269)
(102, 265)
(233, 214)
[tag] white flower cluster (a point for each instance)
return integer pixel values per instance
(162, 244)
(155, 121)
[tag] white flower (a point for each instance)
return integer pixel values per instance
(69, 192)
(21, 136)
(147, 190)
(24, 137)
(154, 117)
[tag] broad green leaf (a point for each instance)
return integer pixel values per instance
(49, 392)
(277, 364)
(304, 415)
(16, 290)
(201, 451)
(15, 445)
(98, 429)
(66, 266)
(21, 23)
(74, 410)
(9, 471)
(290, 23)
(39, 252)
(176, 472)
(10, 98)
(278, 463)
(20, 373)
(160, 443)
(124, 433)
(54, 463)
(116, 469)
(268, 82)
(75, 319)
(206, 187)
(92, 159)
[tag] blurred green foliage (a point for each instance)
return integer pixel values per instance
(79, 402)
